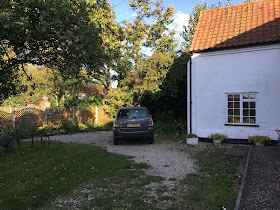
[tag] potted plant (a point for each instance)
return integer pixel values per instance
(217, 137)
(191, 139)
(259, 140)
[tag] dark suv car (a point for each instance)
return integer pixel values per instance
(133, 123)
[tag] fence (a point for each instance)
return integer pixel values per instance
(36, 118)
(10, 109)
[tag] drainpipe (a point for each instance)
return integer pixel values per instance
(191, 93)
(187, 97)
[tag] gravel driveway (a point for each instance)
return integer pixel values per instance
(167, 159)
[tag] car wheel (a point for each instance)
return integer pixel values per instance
(151, 140)
(116, 141)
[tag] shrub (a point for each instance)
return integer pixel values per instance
(259, 139)
(25, 131)
(191, 135)
(218, 136)
(69, 128)
(49, 129)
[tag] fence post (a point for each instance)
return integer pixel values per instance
(46, 116)
(73, 114)
(14, 119)
(96, 114)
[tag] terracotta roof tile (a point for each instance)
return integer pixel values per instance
(238, 25)
(93, 90)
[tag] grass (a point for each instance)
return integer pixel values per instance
(55, 176)
(217, 183)
(37, 176)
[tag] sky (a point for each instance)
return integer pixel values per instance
(183, 8)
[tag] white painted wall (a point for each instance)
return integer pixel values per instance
(255, 69)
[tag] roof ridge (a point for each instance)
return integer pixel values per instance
(252, 23)
(236, 5)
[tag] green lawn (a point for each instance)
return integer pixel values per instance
(217, 183)
(55, 176)
(35, 177)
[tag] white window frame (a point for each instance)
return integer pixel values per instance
(241, 100)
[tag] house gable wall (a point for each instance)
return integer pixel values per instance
(236, 71)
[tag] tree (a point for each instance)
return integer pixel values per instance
(41, 76)
(140, 73)
(189, 31)
(149, 31)
(172, 94)
(112, 37)
(151, 74)
(118, 98)
(60, 34)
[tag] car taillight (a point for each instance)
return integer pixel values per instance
(151, 123)
(116, 123)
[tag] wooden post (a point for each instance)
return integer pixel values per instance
(46, 116)
(14, 119)
(96, 114)
(73, 115)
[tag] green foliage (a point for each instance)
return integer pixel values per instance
(42, 85)
(118, 98)
(162, 127)
(112, 37)
(172, 93)
(191, 135)
(137, 74)
(71, 128)
(151, 75)
(25, 131)
(259, 139)
(6, 134)
(218, 136)
(60, 34)
(173, 130)
(22, 129)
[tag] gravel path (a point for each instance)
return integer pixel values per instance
(167, 159)
(262, 187)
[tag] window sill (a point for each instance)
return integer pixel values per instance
(244, 125)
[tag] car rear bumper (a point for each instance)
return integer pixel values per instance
(118, 134)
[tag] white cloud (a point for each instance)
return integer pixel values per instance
(134, 15)
(180, 20)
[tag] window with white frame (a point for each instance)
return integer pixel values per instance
(241, 108)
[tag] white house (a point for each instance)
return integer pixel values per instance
(234, 72)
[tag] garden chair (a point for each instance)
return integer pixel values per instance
(8, 147)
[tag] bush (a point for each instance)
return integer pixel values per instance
(6, 134)
(25, 131)
(218, 136)
(191, 135)
(165, 127)
(49, 129)
(69, 128)
(259, 139)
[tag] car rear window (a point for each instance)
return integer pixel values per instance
(133, 113)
